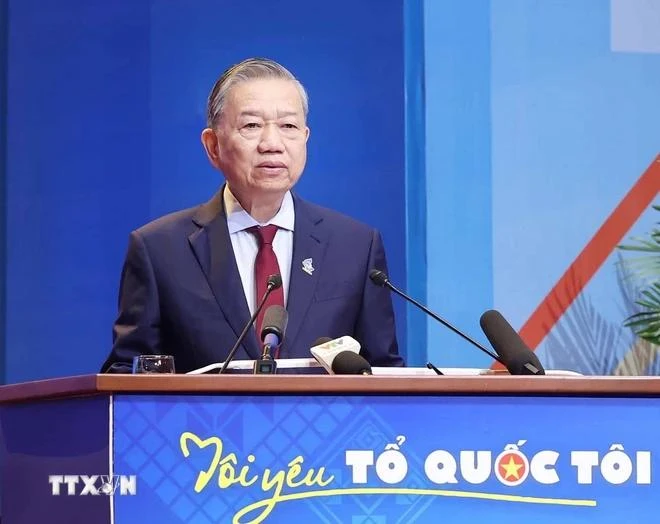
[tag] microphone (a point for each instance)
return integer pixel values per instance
(274, 282)
(380, 279)
(520, 360)
(325, 350)
(349, 363)
(272, 334)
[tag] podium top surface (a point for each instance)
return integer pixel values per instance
(324, 384)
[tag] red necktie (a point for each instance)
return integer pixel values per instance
(266, 265)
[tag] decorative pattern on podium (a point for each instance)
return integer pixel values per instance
(377, 459)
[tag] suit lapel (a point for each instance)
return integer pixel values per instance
(309, 242)
(212, 247)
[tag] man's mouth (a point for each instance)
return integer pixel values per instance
(272, 165)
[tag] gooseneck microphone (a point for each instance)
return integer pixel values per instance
(349, 363)
(272, 334)
(520, 360)
(381, 279)
(273, 282)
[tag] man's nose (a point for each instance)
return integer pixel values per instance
(271, 139)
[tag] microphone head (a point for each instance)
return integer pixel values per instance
(378, 277)
(275, 321)
(349, 363)
(325, 349)
(519, 359)
(274, 281)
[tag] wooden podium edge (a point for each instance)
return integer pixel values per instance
(86, 385)
(49, 388)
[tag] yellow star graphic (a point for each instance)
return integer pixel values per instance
(511, 469)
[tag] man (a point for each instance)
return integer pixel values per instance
(192, 279)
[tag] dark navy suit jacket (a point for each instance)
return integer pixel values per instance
(181, 292)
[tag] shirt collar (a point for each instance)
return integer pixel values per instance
(238, 219)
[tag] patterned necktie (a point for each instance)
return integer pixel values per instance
(266, 265)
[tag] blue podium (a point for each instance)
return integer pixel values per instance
(243, 449)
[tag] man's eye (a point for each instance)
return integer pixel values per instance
(290, 126)
(251, 125)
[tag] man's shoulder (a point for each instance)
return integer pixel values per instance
(182, 221)
(332, 218)
(176, 221)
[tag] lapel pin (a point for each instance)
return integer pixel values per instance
(307, 266)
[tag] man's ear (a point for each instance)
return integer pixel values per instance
(210, 143)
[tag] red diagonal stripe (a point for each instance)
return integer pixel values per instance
(592, 257)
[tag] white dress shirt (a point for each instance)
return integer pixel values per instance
(246, 245)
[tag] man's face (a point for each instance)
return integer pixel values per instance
(261, 138)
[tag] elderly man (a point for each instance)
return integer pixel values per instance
(192, 279)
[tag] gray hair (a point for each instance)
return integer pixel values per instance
(249, 69)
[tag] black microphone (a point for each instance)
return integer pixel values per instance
(380, 279)
(274, 282)
(349, 363)
(520, 360)
(272, 334)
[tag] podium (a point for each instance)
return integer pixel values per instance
(346, 449)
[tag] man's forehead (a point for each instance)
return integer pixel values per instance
(255, 96)
(256, 111)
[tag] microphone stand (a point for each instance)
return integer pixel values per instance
(271, 286)
(380, 278)
(272, 335)
(265, 365)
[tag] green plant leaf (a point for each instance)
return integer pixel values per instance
(646, 323)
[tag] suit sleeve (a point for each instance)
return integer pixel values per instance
(375, 328)
(136, 330)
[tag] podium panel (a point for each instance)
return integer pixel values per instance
(385, 459)
(244, 449)
(53, 438)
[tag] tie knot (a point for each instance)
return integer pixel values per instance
(265, 234)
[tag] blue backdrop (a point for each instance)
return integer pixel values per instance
(489, 156)
(539, 117)
(106, 104)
